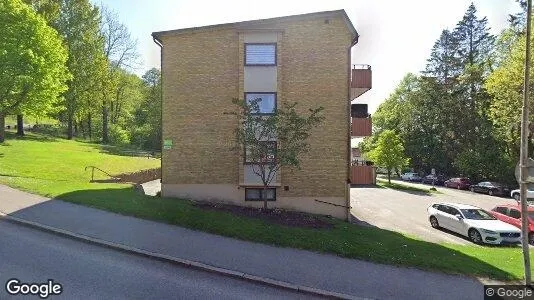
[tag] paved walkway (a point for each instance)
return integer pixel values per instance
(152, 188)
(321, 271)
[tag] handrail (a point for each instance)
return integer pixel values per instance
(93, 172)
(361, 66)
(326, 202)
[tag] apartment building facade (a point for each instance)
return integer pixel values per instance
(303, 58)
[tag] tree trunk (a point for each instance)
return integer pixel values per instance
(82, 129)
(264, 196)
(2, 127)
(70, 128)
(20, 125)
(90, 126)
(389, 176)
(105, 130)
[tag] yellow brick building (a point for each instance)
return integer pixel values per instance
(302, 58)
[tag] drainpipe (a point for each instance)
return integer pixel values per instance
(349, 167)
(158, 42)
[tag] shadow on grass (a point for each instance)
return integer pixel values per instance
(347, 240)
(30, 137)
(125, 151)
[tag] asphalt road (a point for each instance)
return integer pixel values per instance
(405, 211)
(88, 271)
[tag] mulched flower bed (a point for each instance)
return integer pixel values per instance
(277, 216)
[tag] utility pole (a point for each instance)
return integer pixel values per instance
(524, 154)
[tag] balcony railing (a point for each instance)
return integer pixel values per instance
(361, 127)
(361, 80)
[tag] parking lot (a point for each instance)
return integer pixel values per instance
(405, 211)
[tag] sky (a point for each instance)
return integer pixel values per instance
(395, 36)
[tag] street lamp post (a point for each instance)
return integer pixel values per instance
(524, 153)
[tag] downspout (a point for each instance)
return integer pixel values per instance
(158, 42)
(349, 152)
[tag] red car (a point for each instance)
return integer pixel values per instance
(461, 183)
(511, 214)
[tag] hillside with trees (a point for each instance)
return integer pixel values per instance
(87, 61)
(461, 114)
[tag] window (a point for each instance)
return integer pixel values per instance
(260, 54)
(444, 209)
(453, 211)
(501, 210)
(255, 194)
(262, 153)
(515, 214)
(477, 214)
(266, 102)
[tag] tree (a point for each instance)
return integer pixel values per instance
(32, 62)
(518, 21)
(49, 10)
(269, 142)
(505, 86)
(475, 43)
(79, 24)
(146, 132)
(444, 64)
(121, 53)
(388, 152)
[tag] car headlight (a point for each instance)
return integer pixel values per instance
(488, 231)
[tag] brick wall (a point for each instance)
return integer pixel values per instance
(202, 72)
(314, 72)
(200, 78)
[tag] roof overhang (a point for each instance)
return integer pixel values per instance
(270, 24)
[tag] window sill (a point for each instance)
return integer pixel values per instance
(256, 185)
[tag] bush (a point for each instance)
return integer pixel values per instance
(118, 136)
(56, 130)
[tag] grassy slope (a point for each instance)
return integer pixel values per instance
(404, 187)
(55, 168)
(52, 167)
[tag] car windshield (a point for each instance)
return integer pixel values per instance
(531, 215)
(477, 214)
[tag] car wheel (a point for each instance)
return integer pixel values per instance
(475, 236)
(531, 238)
(490, 192)
(517, 197)
(434, 222)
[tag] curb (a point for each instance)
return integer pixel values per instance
(180, 261)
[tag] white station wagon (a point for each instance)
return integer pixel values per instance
(473, 222)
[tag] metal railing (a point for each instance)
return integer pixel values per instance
(93, 173)
(361, 66)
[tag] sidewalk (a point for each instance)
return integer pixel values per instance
(320, 271)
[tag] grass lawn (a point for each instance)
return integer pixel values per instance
(404, 187)
(51, 166)
(55, 168)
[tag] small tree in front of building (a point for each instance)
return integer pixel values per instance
(388, 152)
(269, 141)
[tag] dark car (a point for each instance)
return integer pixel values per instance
(490, 188)
(437, 179)
(461, 183)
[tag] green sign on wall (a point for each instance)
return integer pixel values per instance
(167, 144)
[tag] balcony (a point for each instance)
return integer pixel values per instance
(361, 127)
(361, 80)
